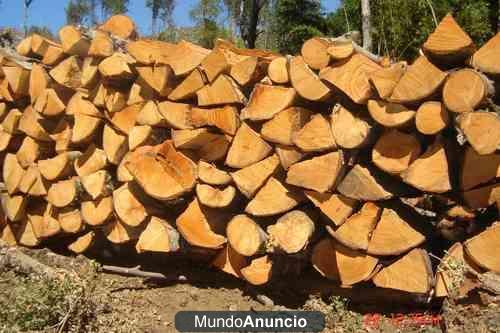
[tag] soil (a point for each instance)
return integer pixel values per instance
(132, 304)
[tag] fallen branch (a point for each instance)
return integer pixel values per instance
(13, 258)
(136, 271)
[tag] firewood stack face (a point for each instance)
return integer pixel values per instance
(335, 161)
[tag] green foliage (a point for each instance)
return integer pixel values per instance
(296, 19)
(400, 27)
(42, 31)
(77, 11)
(161, 9)
(113, 7)
(205, 15)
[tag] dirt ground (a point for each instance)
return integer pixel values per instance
(95, 301)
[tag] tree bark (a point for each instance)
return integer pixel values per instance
(366, 24)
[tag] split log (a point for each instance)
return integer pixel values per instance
(349, 266)
(189, 86)
(7, 235)
(395, 151)
(160, 78)
(25, 234)
(482, 130)
(222, 91)
(12, 173)
(165, 176)
(177, 115)
(288, 155)
(30, 151)
(230, 261)
(430, 172)
(395, 276)
(97, 212)
(213, 197)
(292, 232)
(14, 207)
(431, 118)
(92, 160)
(482, 248)
(209, 174)
(341, 50)
(420, 81)
(306, 82)
(68, 72)
(278, 70)
(97, 184)
(323, 261)
(184, 57)
(390, 114)
(34, 125)
(393, 235)
(206, 145)
(465, 90)
(90, 73)
(101, 45)
(202, 226)
(315, 136)
(363, 183)
(214, 64)
(352, 77)
(150, 115)
(320, 173)
(43, 220)
(117, 68)
(140, 92)
(349, 130)
(224, 118)
(283, 127)
(114, 99)
(274, 198)
(144, 135)
(64, 192)
(259, 271)
(247, 148)
(33, 183)
(70, 220)
(449, 42)
(124, 120)
(159, 236)
(356, 231)
(119, 233)
(18, 79)
(73, 42)
(266, 101)
(336, 207)
(114, 144)
(39, 81)
(478, 169)
(85, 127)
(385, 79)
(128, 206)
(49, 103)
(314, 52)
(58, 167)
(10, 123)
(249, 70)
(484, 59)
(245, 236)
(121, 26)
(251, 178)
(149, 52)
(82, 243)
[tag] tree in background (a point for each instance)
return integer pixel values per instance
(233, 9)
(205, 15)
(162, 9)
(399, 27)
(297, 21)
(366, 24)
(77, 12)
(26, 5)
(250, 20)
(113, 7)
(93, 12)
(42, 31)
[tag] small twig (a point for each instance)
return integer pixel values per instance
(136, 271)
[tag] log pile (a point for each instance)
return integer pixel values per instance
(334, 160)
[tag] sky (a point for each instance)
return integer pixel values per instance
(51, 13)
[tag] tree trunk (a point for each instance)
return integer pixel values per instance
(366, 24)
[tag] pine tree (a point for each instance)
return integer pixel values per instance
(77, 12)
(113, 7)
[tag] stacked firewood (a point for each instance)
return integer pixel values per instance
(335, 159)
